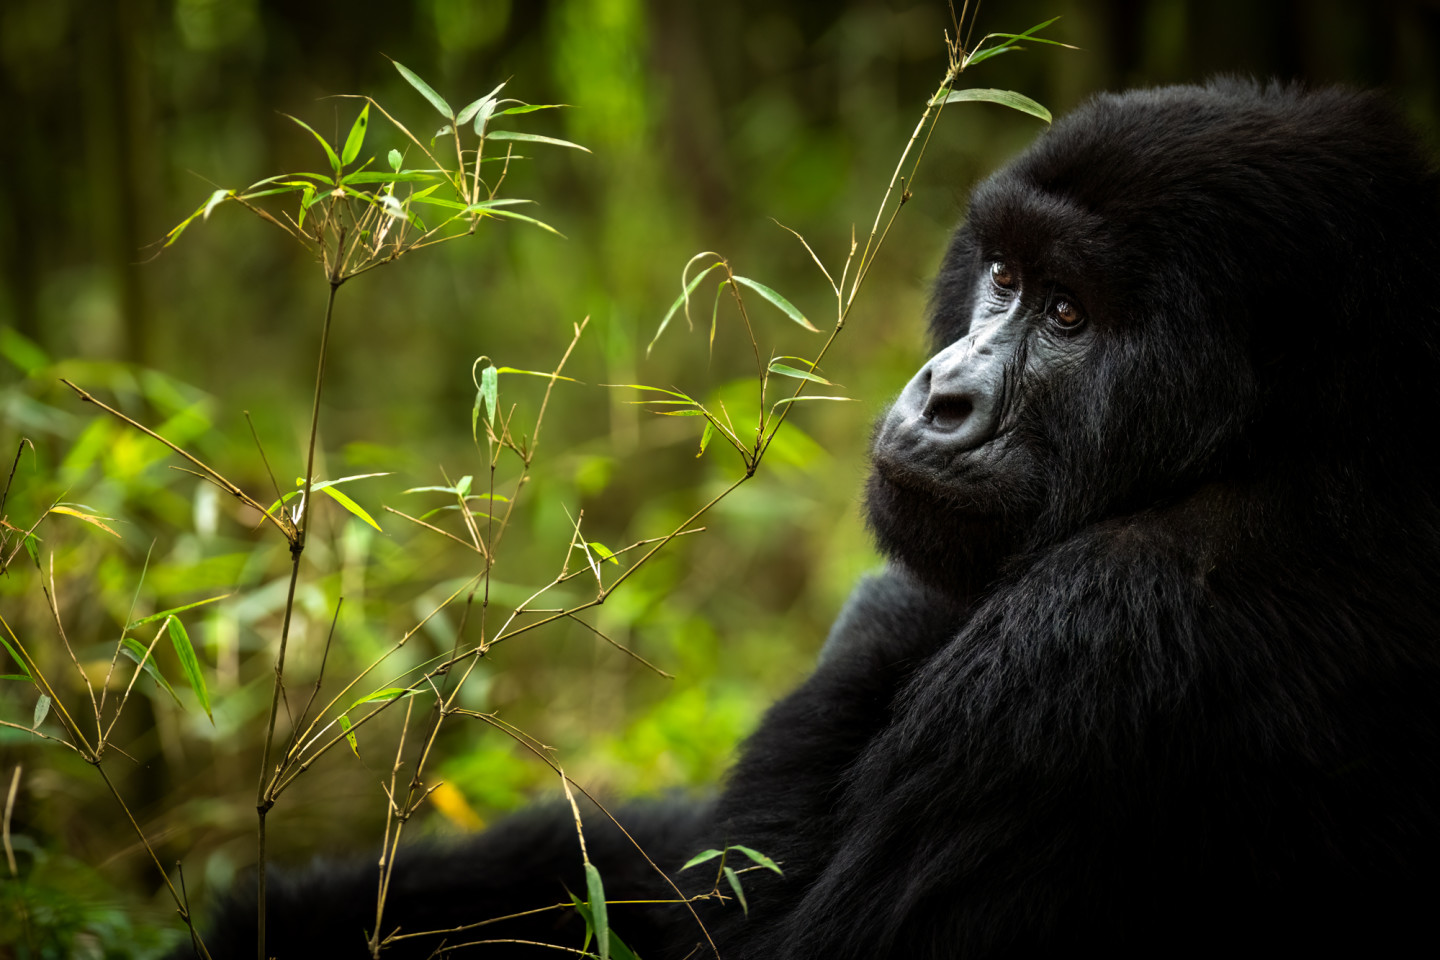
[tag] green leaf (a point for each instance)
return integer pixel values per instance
(705, 438)
(16, 676)
(216, 198)
(780, 403)
(785, 306)
(42, 709)
(389, 693)
(351, 506)
(490, 392)
(329, 150)
(595, 890)
(32, 547)
(409, 176)
(138, 652)
(685, 293)
(512, 215)
(734, 879)
(530, 108)
(536, 373)
(356, 139)
(788, 371)
(533, 138)
(322, 485)
(1006, 98)
(15, 654)
(396, 160)
(757, 856)
(189, 664)
(701, 857)
(349, 737)
(436, 101)
(603, 552)
(172, 611)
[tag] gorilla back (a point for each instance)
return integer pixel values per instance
(1153, 669)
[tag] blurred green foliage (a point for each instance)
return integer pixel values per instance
(705, 121)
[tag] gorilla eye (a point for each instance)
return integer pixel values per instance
(1066, 314)
(1002, 276)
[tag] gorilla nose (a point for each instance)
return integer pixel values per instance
(947, 412)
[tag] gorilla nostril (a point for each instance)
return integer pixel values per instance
(948, 413)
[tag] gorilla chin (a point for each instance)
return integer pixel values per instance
(1157, 670)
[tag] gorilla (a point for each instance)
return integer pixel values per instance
(1154, 667)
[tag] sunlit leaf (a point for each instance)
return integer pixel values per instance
(701, 857)
(788, 371)
(533, 138)
(490, 392)
(189, 663)
(603, 552)
(216, 198)
(512, 215)
(350, 505)
(409, 176)
(785, 306)
(685, 293)
(757, 856)
(705, 438)
(42, 710)
(349, 737)
(88, 518)
(171, 612)
(396, 160)
(1006, 98)
(436, 101)
(356, 139)
(329, 150)
(530, 108)
(389, 693)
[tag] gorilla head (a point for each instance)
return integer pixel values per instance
(1171, 288)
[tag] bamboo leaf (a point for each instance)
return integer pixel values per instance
(349, 737)
(396, 160)
(15, 655)
(351, 506)
(734, 879)
(757, 856)
(788, 371)
(189, 664)
(137, 651)
(701, 857)
(329, 150)
(533, 138)
(172, 611)
(436, 101)
(88, 518)
(1006, 98)
(785, 306)
(356, 139)
(685, 293)
(512, 215)
(595, 890)
(42, 709)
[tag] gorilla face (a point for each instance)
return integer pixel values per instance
(1142, 304)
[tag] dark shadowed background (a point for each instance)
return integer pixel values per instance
(708, 122)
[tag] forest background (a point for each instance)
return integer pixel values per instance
(706, 124)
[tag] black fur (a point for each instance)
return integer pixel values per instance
(1154, 670)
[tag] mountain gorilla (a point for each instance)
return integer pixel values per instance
(1153, 670)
